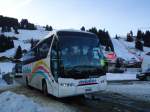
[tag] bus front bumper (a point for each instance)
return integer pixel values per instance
(68, 88)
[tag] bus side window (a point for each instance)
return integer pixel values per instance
(40, 51)
(54, 60)
(43, 49)
(29, 57)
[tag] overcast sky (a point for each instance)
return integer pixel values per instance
(116, 16)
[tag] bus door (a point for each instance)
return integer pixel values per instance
(54, 65)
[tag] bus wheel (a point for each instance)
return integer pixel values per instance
(44, 88)
(27, 82)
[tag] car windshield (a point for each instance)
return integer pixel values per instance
(80, 53)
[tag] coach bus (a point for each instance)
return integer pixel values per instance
(66, 63)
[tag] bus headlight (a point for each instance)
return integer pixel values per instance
(67, 84)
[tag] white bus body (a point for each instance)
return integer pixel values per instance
(51, 71)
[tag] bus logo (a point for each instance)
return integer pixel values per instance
(87, 82)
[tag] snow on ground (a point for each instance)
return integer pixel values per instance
(5, 86)
(140, 91)
(12, 102)
(121, 76)
(9, 53)
(127, 44)
(6, 67)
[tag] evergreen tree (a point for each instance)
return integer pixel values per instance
(109, 42)
(82, 28)
(6, 43)
(93, 30)
(139, 45)
(129, 37)
(18, 54)
(116, 37)
(48, 28)
(146, 39)
(24, 23)
(104, 37)
(16, 30)
(31, 26)
(131, 33)
(139, 35)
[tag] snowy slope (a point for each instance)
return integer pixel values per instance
(22, 37)
(28, 34)
(121, 50)
(23, 45)
(131, 47)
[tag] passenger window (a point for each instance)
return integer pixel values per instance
(43, 49)
(38, 52)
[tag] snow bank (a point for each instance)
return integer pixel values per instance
(121, 76)
(11, 102)
(137, 91)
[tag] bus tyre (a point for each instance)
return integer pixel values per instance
(44, 88)
(27, 82)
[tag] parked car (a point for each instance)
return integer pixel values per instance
(8, 77)
(111, 57)
(133, 63)
(145, 69)
(17, 70)
(111, 60)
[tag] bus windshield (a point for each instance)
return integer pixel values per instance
(81, 55)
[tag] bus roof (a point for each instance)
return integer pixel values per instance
(67, 31)
(55, 32)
